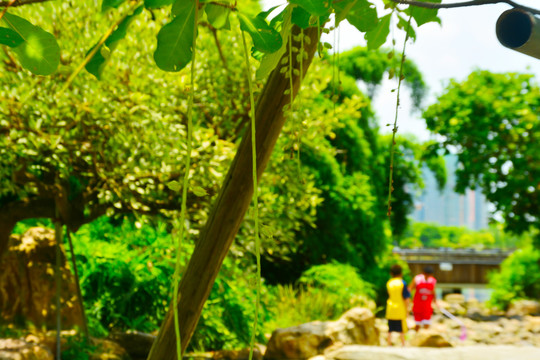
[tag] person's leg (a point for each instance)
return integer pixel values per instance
(393, 326)
(402, 336)
(417, 320)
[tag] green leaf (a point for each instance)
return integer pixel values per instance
(265, 38)
(276, 19)
(174, 185)
(199, 191)
(218, 16)
(342, 8)
(96, 65)
(175, 40)
(404, 25)
(182, 7)
(39, 52)
(154, 4)
(271, 60)
(108, 4)
(423, 15)
(10, 37)
(267, 231)
(300, 17)
(363, 16)
(376, 37)
(264, 14)
(314, 7)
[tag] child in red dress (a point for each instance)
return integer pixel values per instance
(424, 297)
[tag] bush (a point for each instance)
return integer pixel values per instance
(519, 278)
(125, 273)
(323, 292)
(126, 278)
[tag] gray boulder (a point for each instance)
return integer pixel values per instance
(356, 326)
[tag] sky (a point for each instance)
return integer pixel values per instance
(464, 42)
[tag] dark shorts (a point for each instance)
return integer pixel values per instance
(395, 326)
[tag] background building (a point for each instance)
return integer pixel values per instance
(447, 207)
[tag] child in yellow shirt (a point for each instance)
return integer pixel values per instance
(397, 304)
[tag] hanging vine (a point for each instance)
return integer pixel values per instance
(185, 185)
(395, 127)
(255, 196)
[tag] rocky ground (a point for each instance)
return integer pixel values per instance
(479, 352)
(356, 335)
(494, 330)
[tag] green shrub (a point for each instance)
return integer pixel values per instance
(228, 316)
(323, 292)
(340, 279)
(519, 278)
(125, 273)
(78, 348)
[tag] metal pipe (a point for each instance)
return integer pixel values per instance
(519, 30)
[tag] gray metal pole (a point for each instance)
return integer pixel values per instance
(519, 30)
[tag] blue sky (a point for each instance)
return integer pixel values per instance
(464, 42)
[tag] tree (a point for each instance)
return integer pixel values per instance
(100, 149)
(519, 278)
(491, 121)
(174, 51)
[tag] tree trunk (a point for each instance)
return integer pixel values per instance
(231, 205)
(6, 227)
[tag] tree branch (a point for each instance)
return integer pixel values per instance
(21, 2)
(430, 5)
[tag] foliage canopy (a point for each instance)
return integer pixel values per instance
(491, 121)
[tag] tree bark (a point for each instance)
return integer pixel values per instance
(6, 227)
(16, 211)
(231, 205)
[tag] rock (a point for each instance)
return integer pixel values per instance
(48, 339)
(532, 324)
(108, 350)
(12, 349)
(298, 342)
(356, 326)
(524, 307)
(455, 299)
(429, 338)
(357, 352)
(243, 354)
(27, 286)
(136, 343)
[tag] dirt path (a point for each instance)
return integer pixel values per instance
(480, 352)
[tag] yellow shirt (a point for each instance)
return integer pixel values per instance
(395, 305)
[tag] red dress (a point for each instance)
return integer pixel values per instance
(423, 297)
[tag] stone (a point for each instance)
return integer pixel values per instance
(13, 349)
(356, 326)
(491, 352)
(532, 324)
(109, 350)
(523, 307)
(455, 299)
(136, 343)
(27, 283)
(243, 354)
(429, 338)
(298, 342)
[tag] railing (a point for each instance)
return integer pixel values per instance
(454, 256)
